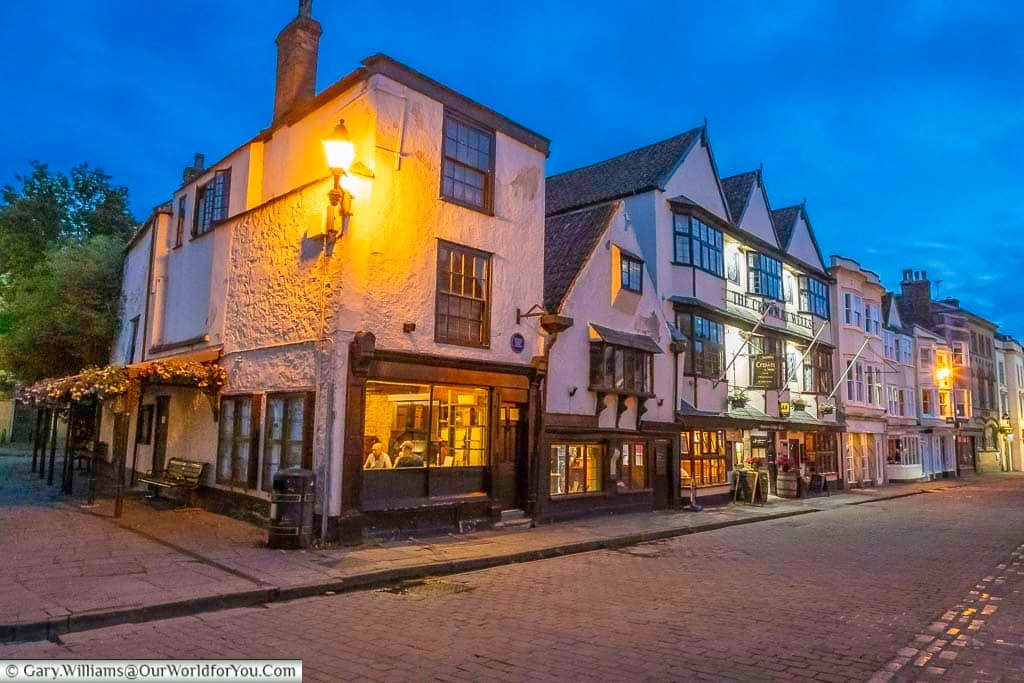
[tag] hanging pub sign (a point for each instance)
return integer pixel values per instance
(765, 371)
(784, 409)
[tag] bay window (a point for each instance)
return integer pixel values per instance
(813, 296)
(853, 309)
(697, 244)
(818, 372)
(706, 354)
(621, 369)
(764, 275)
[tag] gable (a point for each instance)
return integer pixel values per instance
(802, 245)
(569, 241)
(893, 318)
(757, 219)
(640, 170)
(697, 179)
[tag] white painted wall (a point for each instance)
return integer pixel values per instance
(595, 298)
(756, 218)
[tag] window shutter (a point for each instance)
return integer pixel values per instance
(256, 426)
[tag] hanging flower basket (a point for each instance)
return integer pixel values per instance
(115, 381)
(800, 403)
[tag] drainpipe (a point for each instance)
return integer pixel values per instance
(553, 325)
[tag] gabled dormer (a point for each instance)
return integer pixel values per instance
(749, 207)
(796, 236)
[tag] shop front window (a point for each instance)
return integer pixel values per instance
(425, 426)
(633, 467)
(575, 468)
(701, 458)
(820, 453)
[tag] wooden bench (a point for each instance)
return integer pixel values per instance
(179, 474)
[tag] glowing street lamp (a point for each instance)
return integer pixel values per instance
(340, 153)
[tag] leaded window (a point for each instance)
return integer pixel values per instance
(764, 275)
(698, 244)
(813, 296)
(706, 355)
(212, 203)
(632, 270)
(621, 369)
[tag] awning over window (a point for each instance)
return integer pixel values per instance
(627, 339)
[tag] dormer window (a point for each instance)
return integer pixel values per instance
(764, 275)
(211, 203)
(632, 273)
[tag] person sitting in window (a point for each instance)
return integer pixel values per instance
(406, 456)
(377, 459)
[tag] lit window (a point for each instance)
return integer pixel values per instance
(575, 468)
(701, 459)
(633, 467)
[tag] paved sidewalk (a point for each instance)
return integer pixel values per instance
(71, 569)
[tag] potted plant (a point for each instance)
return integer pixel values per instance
(785, 478)
(800, 403)
(754, 463)
(827, 408)
(738, 398)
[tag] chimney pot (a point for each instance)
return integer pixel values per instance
(907, 274)
(200, 161)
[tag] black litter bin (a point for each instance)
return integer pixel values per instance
(291, 509)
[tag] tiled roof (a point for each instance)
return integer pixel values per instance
(631, 173)
(569, 239)
(785, 221)
(737, 192)
(630, 339)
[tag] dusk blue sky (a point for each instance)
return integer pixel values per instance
(900, 122)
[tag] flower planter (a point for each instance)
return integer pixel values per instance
(737, 402)
(800, 405)
(785, 485)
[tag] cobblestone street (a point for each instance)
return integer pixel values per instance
(926, 586)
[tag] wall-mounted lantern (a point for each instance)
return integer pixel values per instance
(340, 153)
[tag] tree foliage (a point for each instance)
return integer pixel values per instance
(62, 240)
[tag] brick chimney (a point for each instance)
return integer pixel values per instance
(297, 46)
(916, 297)
(194, 171)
